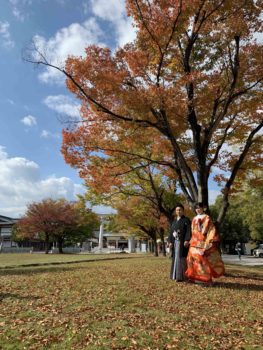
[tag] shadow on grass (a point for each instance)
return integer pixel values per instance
(30, 271)
(247, 276)
(17, 296)
(51, 266)
(238, 286)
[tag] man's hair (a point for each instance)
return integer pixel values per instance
(179, 205)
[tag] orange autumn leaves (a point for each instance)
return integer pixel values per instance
(185, 96)
(127, 304)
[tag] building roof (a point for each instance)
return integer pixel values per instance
(5, 220)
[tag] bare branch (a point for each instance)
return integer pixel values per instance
(221, 143)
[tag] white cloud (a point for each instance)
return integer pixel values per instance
(64, 105)
(213, 195)
(48, 134)
(3, 154)
(29, 120)
(73, 40)
(18, 14)
(20, 184)
(67, 41)
(19, 8)
(125, 31)
(111, 10)
(85, 6)
(102, 209)
(10, 101)
(4, 33)
(114, 12)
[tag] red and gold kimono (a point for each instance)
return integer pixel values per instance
(204, 260)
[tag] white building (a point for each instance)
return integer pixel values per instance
(6, 225)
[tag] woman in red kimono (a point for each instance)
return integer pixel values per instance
(204, 260)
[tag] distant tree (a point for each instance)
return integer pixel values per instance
(252, 212)
(244, 219)
(137, 216)
(250, 202)
(233, 227)
(51, 220)
(87, 222)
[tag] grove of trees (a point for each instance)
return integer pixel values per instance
(56, 221)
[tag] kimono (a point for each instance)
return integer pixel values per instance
(179, 233)
(204, 260)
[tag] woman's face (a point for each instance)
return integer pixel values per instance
(199, 210)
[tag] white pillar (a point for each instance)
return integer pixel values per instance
(131, 245)
(143, 248)
(101, 234)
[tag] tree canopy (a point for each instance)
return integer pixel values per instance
(138, 217)
(146, 182)
(185, 95)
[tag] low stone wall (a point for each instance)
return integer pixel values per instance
(66, 250)
(16, 250)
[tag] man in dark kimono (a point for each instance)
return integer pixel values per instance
(178, 240)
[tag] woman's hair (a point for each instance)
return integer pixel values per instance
(179, 205)
(200, 205)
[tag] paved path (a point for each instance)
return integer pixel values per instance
(246, 260)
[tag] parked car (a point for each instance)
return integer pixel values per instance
(258, 252)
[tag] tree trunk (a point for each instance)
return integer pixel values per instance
(152, 246)
(60, 245)
(223, 211)
(155, 248)
(162, 240)
(46, 243)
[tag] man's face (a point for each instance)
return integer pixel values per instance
(179, 211)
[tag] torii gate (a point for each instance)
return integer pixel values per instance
(103, 218)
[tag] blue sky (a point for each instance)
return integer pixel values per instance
(34, 102)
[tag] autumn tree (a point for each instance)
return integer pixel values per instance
(145, 181)
(54, 220)
(87, 222)
(188, 89)
(138, 217)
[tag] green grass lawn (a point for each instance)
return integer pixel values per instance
(128, 304)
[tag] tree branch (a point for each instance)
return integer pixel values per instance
(220, 145)
(89, 98)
